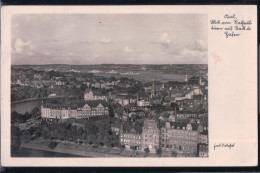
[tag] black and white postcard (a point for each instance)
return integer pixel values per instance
(129, 86)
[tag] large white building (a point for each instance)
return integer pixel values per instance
(85, 109)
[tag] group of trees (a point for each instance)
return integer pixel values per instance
(22, 118)
(25, 92)
(18, 136)
(96, 132)
(15, 136)
(93, 132)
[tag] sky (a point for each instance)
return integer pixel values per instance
(109, 38)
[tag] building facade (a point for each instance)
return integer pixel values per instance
(180, 138)
(150, 136)
(131, 139)
(203, 137)
(86, 109)
(203, 150)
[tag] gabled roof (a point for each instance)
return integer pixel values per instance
(88, 90)
(132, 130)
(165, 114)
(95, 103)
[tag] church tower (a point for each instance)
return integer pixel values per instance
(200, 81)
(186, 78)
(153, 90)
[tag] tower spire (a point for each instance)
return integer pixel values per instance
(153, 90)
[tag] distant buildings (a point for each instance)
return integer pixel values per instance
(61, 81)
(122, 100)
(91, 95)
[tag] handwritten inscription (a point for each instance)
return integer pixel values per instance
(231, 25)
(224, 145)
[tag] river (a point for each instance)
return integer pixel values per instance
(27, 105)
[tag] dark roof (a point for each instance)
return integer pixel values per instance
(150, 123)
(165, 114)
(88, 90)
(94, 92)
(164, 93)
(132, 130)
(205, 132)
(133, 104)
(95, 103)
(74, 104)
(175, 125)
(195, 80)
(63, 79)
(157, 97)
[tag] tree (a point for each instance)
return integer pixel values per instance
(79, 132)
(37, 133)
(15, 136)
(35, 112)
(122, 146)
(159, 152)
(26, 136)
(52, 145)
(128, 125)
(146, 150)
(174, 153)
(111, 111)
(46, 133)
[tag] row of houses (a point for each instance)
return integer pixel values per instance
(82, 109)
(185, 139)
